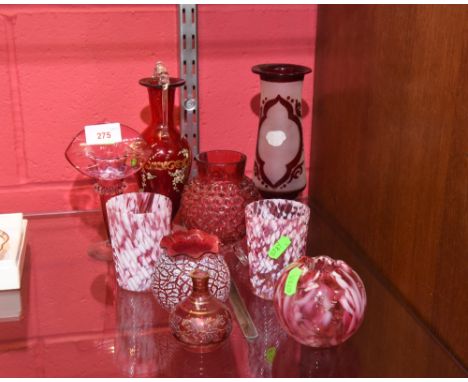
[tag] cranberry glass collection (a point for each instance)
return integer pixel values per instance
(215, 199)
(319, 302)
(325, 305)
(184, 252)
(201, 322)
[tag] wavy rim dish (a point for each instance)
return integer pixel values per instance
(3, 239)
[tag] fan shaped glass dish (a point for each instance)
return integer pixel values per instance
(109, 164)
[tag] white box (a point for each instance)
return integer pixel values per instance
(12, 258)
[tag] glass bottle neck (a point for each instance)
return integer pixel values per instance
(200, 283)
(157, 110)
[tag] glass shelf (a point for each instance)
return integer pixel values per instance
(73, 321)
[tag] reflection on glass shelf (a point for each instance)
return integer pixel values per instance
(75, 322)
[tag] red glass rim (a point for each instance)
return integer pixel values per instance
(281, 72)
(150, 82)
(221, 157)
(194, 243)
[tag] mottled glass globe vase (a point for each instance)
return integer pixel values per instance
(319, 301)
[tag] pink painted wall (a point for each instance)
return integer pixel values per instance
(62, 67)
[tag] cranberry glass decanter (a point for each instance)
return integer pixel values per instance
(201, 322)
(320, 302)
(168, 167)
(184, 252)
(279, 170)
(215, 199)
(109, 164)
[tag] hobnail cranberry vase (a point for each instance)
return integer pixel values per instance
(215, 199)
(201, 322)
(184, 252)
(320, 302)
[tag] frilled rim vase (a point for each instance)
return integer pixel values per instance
(185, 251)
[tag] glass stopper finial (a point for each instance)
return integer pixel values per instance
(160, 73)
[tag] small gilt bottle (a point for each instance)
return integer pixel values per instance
(201, 323)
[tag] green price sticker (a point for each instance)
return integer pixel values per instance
(133, 162)
(270, 354)
(280, 246)
(290, 287)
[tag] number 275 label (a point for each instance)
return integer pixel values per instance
(103, 134)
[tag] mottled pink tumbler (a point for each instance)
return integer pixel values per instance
(319, 301)
(137, 223)
(276, 236)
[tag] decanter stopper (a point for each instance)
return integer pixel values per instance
(161, 74)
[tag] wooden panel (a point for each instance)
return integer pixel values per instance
(389, 156)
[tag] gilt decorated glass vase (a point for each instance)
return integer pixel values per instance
(214, 201)
(201, 323)
(168, 166)
(185, 251)
(279, 170)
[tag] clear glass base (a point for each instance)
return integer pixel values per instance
(101, 250)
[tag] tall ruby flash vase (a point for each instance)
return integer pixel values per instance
(319, 301)
(109, 164)
(215, 199)
(168, 167)
(279, 170)
(201, 322)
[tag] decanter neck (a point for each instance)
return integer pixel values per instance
(157, 110)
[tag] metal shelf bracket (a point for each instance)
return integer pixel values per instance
(188, 50)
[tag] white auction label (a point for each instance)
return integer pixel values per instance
(103, 134)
